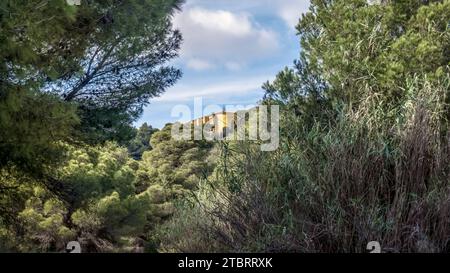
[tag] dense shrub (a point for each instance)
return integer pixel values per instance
(376, 175)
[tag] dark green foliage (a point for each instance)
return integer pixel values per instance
(106, 57)
(357, 47)
(141, 141)
(99, 125)
(28, 44)
(76, 75)
(124, 64)
(32, 124)
(174, 164)
(302, 92)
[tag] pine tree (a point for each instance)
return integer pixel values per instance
(124, 64)
(174, 164)
(354, 45)
(32, 123)
(141, 142)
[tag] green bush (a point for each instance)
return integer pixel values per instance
(375, 175)
(365, 140)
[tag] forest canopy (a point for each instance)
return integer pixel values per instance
(364, 148)
(73, 78)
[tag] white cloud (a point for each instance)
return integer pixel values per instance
(222, 21)
(223, 37)
(290, 11)
(248, 36)
(287, 10)
(218, 90)
(199, 65)
(234, 66)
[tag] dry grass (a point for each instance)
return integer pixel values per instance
(380, 173)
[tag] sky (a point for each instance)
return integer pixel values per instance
(230, 48)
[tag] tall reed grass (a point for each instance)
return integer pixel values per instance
(378, 172)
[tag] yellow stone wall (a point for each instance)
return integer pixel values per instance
(221, 120)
